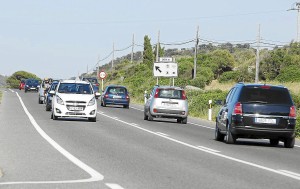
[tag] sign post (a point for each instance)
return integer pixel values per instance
(102, 76)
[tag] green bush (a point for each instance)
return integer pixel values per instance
(289, 74)
(199, 82)
(228, 77)
(14, 80)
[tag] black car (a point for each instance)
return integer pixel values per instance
(48, 99)
(257, 111)
(31, 85)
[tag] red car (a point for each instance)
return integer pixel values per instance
(22, 84)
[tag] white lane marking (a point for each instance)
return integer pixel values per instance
(291, 173)
(136, 109)
(202, 126)
(135, 124)
(11, 90)
(114, 186)
(297, 146)
(163, 134)
(95, 176)
(209, 151)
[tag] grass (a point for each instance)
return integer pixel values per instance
(1, 96)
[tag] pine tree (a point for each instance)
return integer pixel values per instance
(148, 57)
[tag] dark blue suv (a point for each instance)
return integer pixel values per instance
(257, 111)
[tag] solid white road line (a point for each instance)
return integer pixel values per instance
(291, 173)
(114, 186)
(201, 126)
(136, 108)
(163, 134)
(209, 151)
(95, 176)
(11, 90)
(297, 146)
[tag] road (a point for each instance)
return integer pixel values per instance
(121, 150)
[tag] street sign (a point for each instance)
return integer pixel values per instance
(165, 69)
(165, 59)
(102, 75)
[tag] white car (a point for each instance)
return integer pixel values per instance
(75, 99)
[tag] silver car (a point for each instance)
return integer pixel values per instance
(166, 102)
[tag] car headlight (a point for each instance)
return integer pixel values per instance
(92, 102)
(27, 86)
(59, 100)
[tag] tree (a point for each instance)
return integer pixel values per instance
(220, 61)
(148, 53)
(14, 80)
(161, 51)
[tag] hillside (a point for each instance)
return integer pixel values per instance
(2, 81)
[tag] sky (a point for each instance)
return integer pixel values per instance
(61, 39)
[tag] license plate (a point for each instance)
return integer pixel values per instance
(265, 120)
(76, 108)
(169, 104)
(32, 88)
(117, 96)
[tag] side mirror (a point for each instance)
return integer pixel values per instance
(97, 94)
(52, 92)
(219, 102)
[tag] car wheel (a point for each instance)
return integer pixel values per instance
(218, 135)
(179, 120)
(103, 103)
(53, 116)
(145, 116)
(92, 119)
(274, 142)
(150, 117)
(289, 142)
(48, 108)
(230, 139)
(184, 121)
(126, 106)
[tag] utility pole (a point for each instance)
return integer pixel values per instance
(195, 53)
(98, 61)
(157, 49)
(113, 56)
(132, 48)
(296, 6)
(257, 56)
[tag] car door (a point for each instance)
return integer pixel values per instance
(223, 113)
(148, 102)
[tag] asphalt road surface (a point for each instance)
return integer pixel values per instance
(121, 150)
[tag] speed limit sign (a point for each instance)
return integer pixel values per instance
(102, 75)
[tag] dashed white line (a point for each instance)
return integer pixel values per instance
(95, 176)
(210, 152)
(11, 90)
(114, 186)
(297, 146)
(136, 109)
(201, 125)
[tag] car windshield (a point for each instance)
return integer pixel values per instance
(32, 82)
(116, 90)
(53, 86)
(170, 93)
(75, 88)
(91, 80)
(272, 95)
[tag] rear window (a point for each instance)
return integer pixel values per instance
(170, 93)
(91, 80)
(117, 90)
(272, 95)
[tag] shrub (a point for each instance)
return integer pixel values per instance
(289, 74)
(228, 77)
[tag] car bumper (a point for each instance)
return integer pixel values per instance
(63, 111)
(116, 102)
(166, 113)
(253, 132)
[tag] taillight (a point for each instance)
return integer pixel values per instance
(127, 97)
(154, 110)
(97, 84)
(238, 109)
(156, 93)
(183, 95)
(292, 111)
(265, 87)
(106, 96)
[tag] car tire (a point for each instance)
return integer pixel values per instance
(25, 91)
(53, 116)
(184, 120)
(103, 104)
(92, 119)
(274, 142)
(289, 142)
(40, 101)
(150, 117)
(48, 108)
(178, 120)
(126, 106)
(230, 139)
(218, 135)
(145, 116)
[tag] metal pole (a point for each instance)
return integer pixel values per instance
(98, 61)
(102, 88)
(132, 48)
(298, 22)
(257, 57)
(157, 49)
(113, 56)
(195, 53)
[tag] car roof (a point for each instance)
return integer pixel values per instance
(169, 87)
(74, 81)
(259, 85)
(116, 86)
